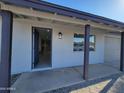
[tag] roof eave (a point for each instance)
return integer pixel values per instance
(49, 7)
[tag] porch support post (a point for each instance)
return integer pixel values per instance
(122, 52)
(86, 52)
(6, 45)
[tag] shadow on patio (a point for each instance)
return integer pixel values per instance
(109, 84)
(67, 79)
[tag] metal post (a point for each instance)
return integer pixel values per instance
(6, 46)
(122, 52)
(86, 52)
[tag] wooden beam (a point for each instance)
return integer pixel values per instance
(50, 16)
(53, 8)
(6, 44)
(86, 52)
(122, 52)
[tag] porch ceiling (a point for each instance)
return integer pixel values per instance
(30, 12)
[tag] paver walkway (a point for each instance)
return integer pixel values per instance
(96, 88)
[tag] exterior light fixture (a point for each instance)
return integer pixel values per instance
(48, 30)
(60, 35)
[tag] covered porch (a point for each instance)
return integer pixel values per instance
(44, 81)
(66, 76)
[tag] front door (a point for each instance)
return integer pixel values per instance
(35, 46)
(41, 47)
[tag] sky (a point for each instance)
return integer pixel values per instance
(113, 9)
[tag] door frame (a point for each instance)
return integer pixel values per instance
(32, 53)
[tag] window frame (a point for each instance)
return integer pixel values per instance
(83, 36)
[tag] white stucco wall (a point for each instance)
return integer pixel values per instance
(62, 49)
(21, 47)
(63, 54)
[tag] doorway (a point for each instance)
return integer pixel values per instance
(42, 47)
(112, 51)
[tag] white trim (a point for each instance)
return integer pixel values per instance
(41, 69)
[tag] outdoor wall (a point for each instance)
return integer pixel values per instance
(21, 47)
(63, 54)
(62, 49)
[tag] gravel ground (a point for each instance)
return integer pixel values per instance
(102, 85)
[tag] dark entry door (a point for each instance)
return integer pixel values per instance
(35, 47)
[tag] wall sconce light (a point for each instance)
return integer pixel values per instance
(60, 35)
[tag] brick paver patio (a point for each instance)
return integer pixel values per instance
(96, 88)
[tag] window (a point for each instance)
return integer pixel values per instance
(79, 42)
